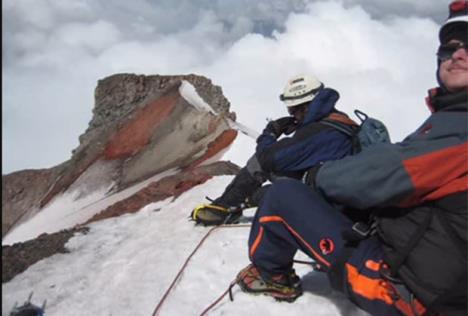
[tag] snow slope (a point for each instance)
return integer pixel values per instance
(124, 265)
(72, 207)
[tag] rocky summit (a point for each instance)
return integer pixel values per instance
(142, 127)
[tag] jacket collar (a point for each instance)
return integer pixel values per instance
(321, 106)
(440, 100)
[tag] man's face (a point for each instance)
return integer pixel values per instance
(299, 112)
(454, 71)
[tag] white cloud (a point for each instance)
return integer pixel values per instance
(376, 66)
(405, 8)
(54, 53)
(95, 37)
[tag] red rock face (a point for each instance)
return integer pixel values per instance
(136, 134)
(173, 185)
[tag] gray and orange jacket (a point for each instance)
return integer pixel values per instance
(422, 180)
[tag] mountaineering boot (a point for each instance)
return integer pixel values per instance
(254, 199)
(239, 189)
(283, 287)
(227, 209)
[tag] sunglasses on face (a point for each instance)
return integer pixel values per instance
(292, 110)
(447, 50)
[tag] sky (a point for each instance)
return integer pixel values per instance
(124, 265)
(379, 55)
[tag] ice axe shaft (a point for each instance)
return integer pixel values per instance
(243, 129)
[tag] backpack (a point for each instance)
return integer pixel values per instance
(370, 131)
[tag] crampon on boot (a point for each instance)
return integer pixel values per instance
(282, 287)
(212, 214)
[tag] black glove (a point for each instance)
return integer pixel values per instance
(285, 125)
(310, 175)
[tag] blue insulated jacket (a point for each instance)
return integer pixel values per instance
(311, 144)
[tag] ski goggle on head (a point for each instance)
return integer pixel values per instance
(446, 51)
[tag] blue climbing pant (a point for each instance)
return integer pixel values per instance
(293, 217)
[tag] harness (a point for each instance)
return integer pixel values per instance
(403, 299)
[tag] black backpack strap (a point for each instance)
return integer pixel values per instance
(348, 130)
(361, 115)
(344, 128)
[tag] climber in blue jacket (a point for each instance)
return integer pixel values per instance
(309, 103)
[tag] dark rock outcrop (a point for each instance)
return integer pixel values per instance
(18, 257)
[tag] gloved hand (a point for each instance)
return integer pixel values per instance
(285, 125)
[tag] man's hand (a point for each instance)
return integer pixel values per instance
(285, 125)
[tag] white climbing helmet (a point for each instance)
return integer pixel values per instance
(300, 89)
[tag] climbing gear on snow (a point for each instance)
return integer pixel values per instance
(282, 287)
(28, 309)
(300, 89)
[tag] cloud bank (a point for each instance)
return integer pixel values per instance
(380, 56)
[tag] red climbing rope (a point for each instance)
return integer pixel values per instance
(158, 307)
(314, 265)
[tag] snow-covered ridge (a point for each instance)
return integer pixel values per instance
(188, 92)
